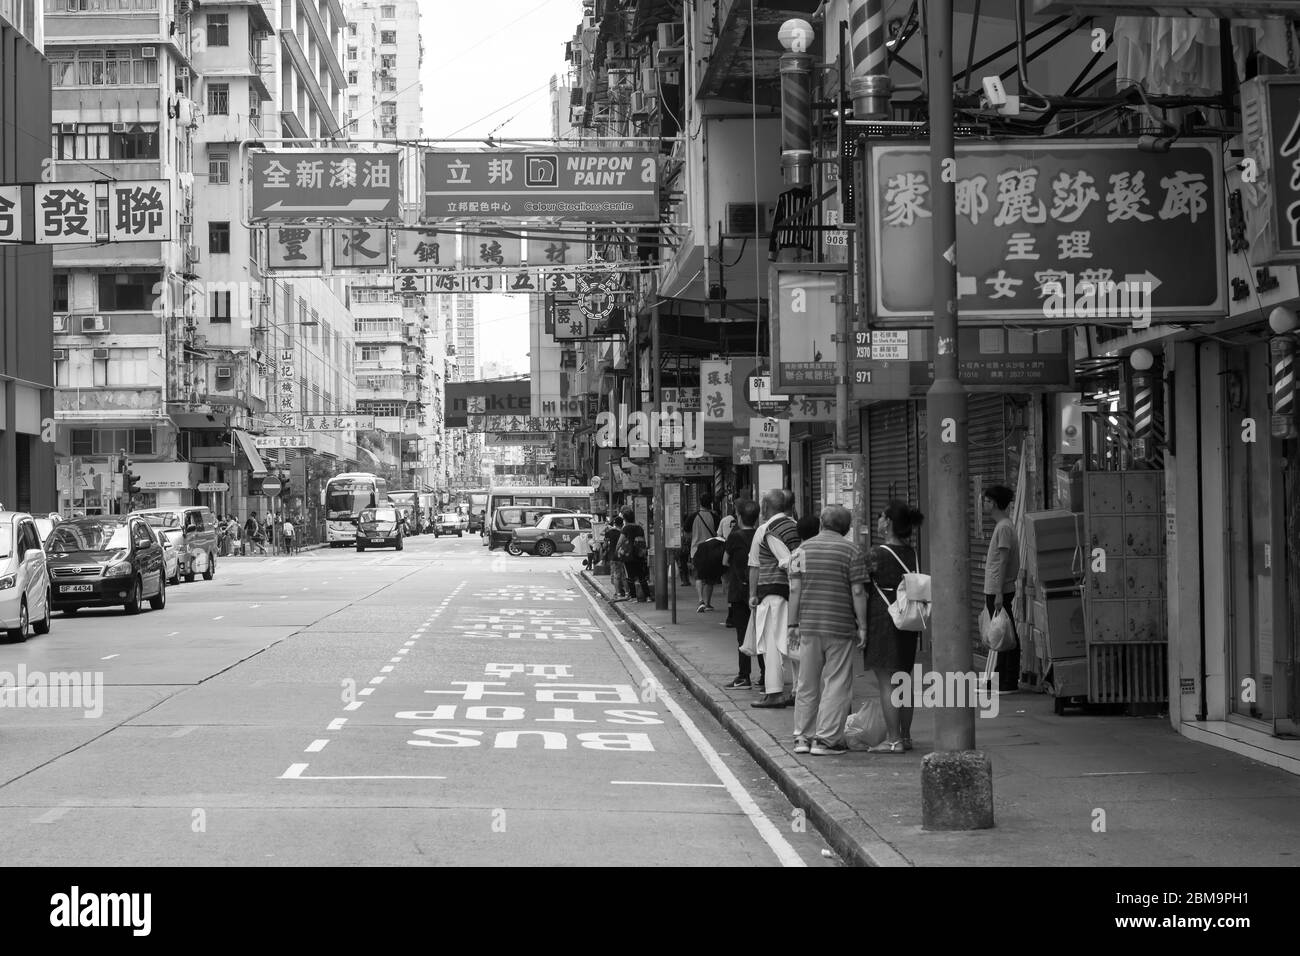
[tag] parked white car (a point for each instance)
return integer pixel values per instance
(173, 542)
(24, 578)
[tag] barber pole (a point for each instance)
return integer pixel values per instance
(796, 104)
(1281, 350)
(1144, 416)
(870, 87)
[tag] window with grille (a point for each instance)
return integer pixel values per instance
(387, 36)
(352, 77)
(60, 300)
(388, 61)
(388, 11)
(352, 53)
(218, 168)
(98, 66)
(388, 84)
(218, 29)
(219, 99)
(387, 109)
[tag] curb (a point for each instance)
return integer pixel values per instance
(847, 833)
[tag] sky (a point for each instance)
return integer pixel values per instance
(487, 71)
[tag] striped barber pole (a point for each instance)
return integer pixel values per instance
(867, 36)
(1144, 415)
(1281, 350)
(796, 118)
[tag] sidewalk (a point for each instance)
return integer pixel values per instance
(1163, 800)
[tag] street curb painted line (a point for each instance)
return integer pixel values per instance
(850, 836)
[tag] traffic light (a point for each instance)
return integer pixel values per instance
(285, 491)
(130, 480)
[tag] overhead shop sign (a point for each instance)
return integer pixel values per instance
(1056, 232)
(1271, 168)
(139, 210)
(804, 321)
(323, 184)
(586, 186)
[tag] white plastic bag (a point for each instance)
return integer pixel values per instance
(997, 632)
(866, 728)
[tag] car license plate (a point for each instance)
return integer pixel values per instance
(75, 588)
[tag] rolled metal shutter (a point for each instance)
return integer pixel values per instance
(988, 431)
(891, 436)
(818, 448)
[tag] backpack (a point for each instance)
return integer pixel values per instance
(910, 609)
(633, 550)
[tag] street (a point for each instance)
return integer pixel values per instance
(439, 705)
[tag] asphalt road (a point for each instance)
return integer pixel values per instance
(438, 706)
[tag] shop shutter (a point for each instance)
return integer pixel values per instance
(23, 475)
(818, 448)
(891, 456)
(988, 464)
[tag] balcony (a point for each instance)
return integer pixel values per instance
(289, 40)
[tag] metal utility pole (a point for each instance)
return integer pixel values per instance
(660, 545)
(956, 780)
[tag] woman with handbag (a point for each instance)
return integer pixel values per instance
(1001, 569)
(888, 649)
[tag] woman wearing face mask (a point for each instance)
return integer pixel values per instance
(1001, 568)
(890, 650)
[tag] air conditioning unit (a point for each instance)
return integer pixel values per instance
(187, 222)
(149, 52)
(225, 371)
(183, 72)
(93, 323)
(60, 323)
(618, 50)
(100, 355)
(191, 254)
(67, 127)
(59, 355)
(119, 127)
(749, 219)
(261, 35)
(637, 105)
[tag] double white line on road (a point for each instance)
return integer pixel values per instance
(766, 829)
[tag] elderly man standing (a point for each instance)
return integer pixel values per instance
(769, 588)
(828, 606)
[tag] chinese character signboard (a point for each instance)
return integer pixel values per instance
(281, 441)
(425, 249)
(1057, 231)
(494, 250)
(557, 252)
(337, 423)
(509, 398)
(65, 213)
(315, 184)
(715, 391)
(803, 321)
(139, 211)
(584, 186)
(295, 247)
(1271, 168)
(11, 214)
(988, 359)
(360, 248)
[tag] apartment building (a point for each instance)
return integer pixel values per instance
(384, 55)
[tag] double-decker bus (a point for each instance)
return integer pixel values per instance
(345, 497)
(513, 506)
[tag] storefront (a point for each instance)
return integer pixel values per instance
(1234, 608)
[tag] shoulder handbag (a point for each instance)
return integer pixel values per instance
(910, 609)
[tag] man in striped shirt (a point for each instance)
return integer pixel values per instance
(828, 607)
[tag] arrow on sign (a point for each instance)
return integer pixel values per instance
(354, 205)
(1133, 280)
(966, 285)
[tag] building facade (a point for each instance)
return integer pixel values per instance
(27, 397)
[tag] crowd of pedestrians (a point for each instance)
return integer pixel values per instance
(803, 598)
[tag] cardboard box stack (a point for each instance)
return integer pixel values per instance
(1053, 563)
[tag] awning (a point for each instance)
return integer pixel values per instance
(250, 452)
